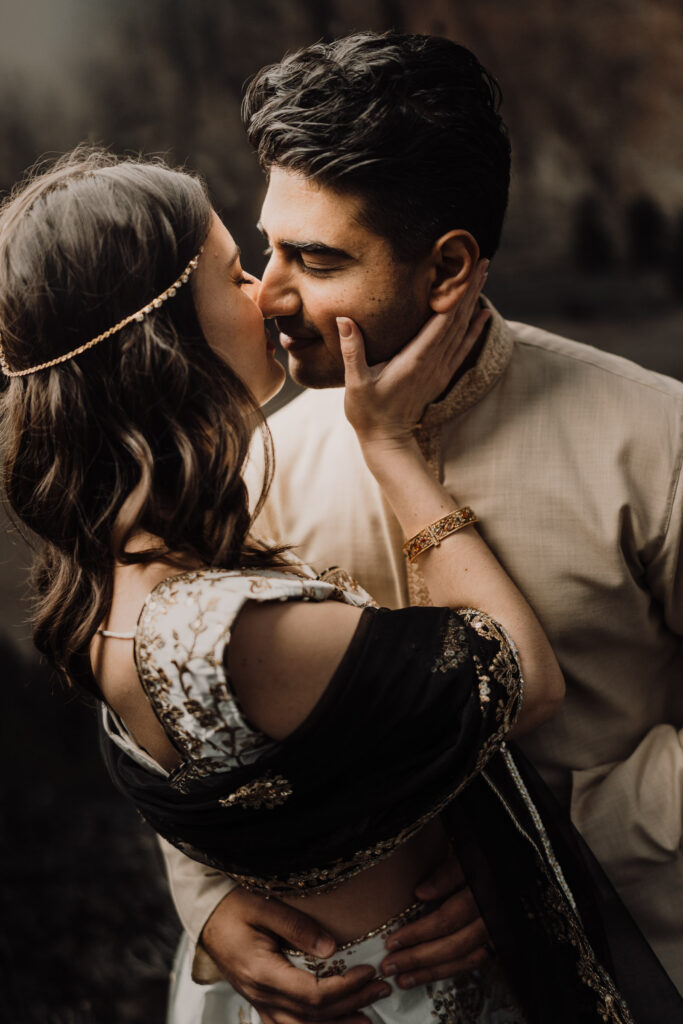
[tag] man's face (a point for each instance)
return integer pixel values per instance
(324, 263)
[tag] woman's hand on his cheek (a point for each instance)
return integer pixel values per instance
(385, 402)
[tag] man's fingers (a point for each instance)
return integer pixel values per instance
(294, 990)
(423, 976)
(455, 913)
(461, 349)
(458, 947)
(297, 929)
(444, 880)
(282, 1017)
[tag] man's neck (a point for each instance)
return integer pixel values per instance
(469, 362)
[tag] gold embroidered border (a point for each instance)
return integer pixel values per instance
(398, 920)
(561, 906)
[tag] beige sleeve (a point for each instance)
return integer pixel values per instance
(196, 891)
(665, 571)
(631, 812)
(631, 815)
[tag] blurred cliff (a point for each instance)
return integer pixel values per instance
(593, 248)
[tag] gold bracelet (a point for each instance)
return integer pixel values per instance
(433, 534)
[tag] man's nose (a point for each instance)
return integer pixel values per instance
(277, 295)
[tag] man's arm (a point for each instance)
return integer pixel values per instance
(631, 812)
(196, 891)
(238, 935)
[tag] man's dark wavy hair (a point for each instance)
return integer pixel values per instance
(408, 123)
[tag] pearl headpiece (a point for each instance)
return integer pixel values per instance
(139, 316)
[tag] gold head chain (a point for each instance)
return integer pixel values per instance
(139, 316)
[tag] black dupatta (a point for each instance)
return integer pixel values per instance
(412, 725)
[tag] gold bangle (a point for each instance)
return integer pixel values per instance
(433, 534)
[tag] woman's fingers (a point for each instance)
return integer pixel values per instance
(353, 351)
(385, 402)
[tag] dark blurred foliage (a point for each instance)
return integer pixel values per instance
(86, 928)
(593, 248)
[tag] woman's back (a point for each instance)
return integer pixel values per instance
(278, 663)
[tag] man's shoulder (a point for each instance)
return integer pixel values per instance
(589, 366)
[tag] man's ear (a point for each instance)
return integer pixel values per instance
(454, 258)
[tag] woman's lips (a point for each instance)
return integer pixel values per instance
(294, 343)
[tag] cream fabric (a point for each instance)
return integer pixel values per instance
(571, 458)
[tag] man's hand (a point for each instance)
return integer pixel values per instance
(451, 940)
(244, 935)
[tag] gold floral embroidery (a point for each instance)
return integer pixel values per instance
(181, 639)
(455, 647)
(269, 791)
(474, 998)
(345, 584)
(325, 968)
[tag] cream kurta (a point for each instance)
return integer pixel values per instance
(571, 458)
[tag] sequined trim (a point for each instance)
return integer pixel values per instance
(269, 791)
(397, 921)
(539, 826)
(560, 907)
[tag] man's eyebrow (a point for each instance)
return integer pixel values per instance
(235, 256)
(311, 247)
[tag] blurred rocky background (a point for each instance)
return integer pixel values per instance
(593, 249)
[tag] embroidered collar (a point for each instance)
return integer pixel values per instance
(478, 381)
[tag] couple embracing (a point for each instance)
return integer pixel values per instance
(326, 751)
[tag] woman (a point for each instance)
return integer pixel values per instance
(136, 359)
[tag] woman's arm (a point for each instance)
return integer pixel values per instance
(384, 404)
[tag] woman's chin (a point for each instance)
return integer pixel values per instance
(275, 385)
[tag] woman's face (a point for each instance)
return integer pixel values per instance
(228, 315)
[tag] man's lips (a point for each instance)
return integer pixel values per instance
(296, 342)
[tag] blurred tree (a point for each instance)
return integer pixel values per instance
(647, 233)
(676, 260)
(593, 246)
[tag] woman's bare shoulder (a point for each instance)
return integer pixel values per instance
(283, 655)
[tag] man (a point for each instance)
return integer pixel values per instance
(388, 171)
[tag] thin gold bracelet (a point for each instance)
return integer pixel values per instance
(433, 534)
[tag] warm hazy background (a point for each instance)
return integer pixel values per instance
(593, 248)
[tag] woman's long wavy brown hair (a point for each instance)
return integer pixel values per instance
(147, 431)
